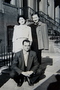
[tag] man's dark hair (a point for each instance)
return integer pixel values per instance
(26, 40)
(19, 17)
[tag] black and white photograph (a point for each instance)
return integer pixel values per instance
(29, 44)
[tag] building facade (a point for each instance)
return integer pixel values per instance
(9, 10)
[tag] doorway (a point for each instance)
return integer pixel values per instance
(9, 38)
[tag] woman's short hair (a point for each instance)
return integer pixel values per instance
(19, 17)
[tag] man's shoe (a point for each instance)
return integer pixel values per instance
(29, 82)
(19, 84)
(25, 79)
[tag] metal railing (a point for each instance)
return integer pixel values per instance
(50, 22)
(6, 58)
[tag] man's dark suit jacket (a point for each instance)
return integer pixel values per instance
(18, 62)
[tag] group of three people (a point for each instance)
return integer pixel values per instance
(26, 40)
(35, 32)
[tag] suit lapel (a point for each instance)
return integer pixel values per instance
(22, 57)
(29, 62)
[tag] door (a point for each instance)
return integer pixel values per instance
(9, 38)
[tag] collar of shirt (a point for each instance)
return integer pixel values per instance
(25, 53)
(25, 57)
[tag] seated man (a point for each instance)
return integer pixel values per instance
(25, 65)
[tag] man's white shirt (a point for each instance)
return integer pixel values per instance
(25, 57)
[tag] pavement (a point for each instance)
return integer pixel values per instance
(51, 59)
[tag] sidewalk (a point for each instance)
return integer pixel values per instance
(50, 70)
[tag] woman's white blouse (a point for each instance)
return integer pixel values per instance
(21, 32)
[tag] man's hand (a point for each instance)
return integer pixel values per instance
(28, 73)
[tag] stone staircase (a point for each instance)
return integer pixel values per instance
(53, 47)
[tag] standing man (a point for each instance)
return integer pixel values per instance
(25, 65)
